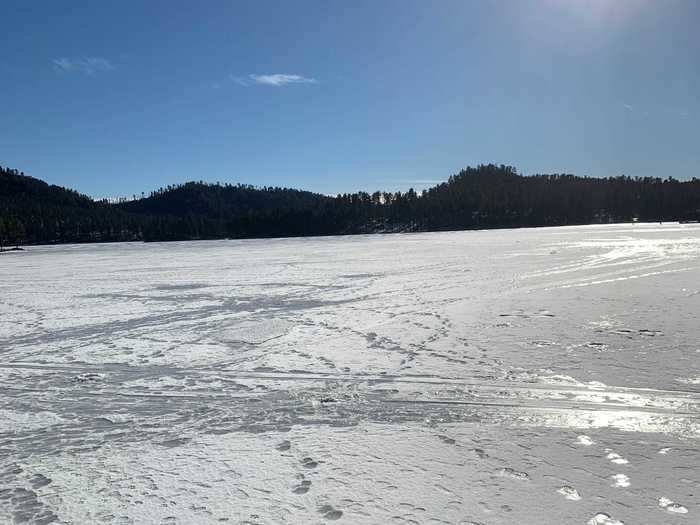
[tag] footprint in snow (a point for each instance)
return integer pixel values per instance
(584, 440)
(480, 453)
(176, 442)
(303, 487)
(670, 506)
(88, 377)
(616, 458)
(330, 513)
(604, 519)
(309, 463)
(39, 480)
(515, 474)
(283, 446)
(620, 480)
(569, 493)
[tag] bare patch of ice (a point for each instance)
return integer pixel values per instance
(255, 332)
(12, 421)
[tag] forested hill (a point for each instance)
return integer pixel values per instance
(196, 210)
(487, 196)
(33, 211)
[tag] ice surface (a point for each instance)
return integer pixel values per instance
(493, 377)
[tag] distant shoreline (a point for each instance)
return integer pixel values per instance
(482, 198)
(622, 223)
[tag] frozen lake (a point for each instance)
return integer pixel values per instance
(546, 376)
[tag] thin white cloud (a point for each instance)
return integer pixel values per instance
(281, 79)
(628, 107)
(86, 65)
(276, 79)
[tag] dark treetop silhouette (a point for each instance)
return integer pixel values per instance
(488, 196)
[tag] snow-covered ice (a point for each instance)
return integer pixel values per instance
(493, 377)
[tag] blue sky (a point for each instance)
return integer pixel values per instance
(115, 98)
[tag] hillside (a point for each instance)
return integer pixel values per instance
(196, 210)
(32, 211)
(487, 196)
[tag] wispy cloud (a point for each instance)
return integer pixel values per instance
(628, 107)
(280, 79)
(85, 65)
(276, 79)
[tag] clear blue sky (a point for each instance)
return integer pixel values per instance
(115, 98)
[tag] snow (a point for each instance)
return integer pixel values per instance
(491, 377)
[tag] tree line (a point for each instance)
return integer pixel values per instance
(486, 196)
